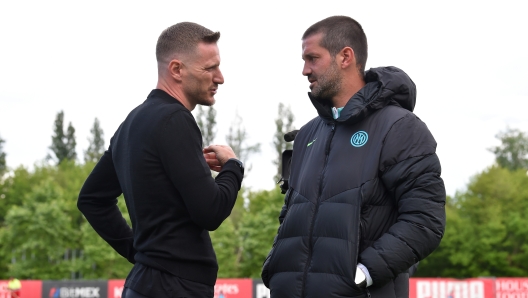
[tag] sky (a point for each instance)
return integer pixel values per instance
(96, 59)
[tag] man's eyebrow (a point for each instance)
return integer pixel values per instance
(212, 65)
(309, 55)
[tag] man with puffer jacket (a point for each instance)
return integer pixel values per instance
(365, 201)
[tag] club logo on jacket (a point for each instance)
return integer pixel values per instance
(359, 139)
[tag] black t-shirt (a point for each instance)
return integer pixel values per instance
(155, 160)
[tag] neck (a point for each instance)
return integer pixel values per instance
(174, 91)
(349, 87)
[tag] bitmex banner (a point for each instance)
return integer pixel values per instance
(254, 288)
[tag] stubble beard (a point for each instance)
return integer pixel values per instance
(199, 96)
(328, 84)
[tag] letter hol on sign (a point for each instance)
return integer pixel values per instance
(511, 287)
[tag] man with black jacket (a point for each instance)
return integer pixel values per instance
(155, 159)
(365, 201)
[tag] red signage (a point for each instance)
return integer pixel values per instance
(418, 288)
(30, 289)
(115, 288)
(450, 288)
(224, 288)
(511, 287)
(233, 288)
(4, 293)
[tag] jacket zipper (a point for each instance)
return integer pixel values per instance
(359, 225)
(359, 230)
(310, 245)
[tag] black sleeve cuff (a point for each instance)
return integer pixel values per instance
(239, 164)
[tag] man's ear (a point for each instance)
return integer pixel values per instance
(348, 58)
(175, 69)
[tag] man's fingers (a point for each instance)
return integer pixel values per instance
(213, 162)
(212, 148)
(215, 168)
(220, 152)
(210, 155)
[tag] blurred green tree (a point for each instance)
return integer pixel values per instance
(42, 233)
(62, 143)
(226, 244)
(96, 147)
(512, 154)
(487, 229)
(237, 139)
(241, 249)
(206, 120)
(283, 124)
(3, 166)
(258, 229)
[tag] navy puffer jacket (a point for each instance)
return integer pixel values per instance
(364, 188)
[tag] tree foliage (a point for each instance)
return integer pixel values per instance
(283, 124)
(242, 248)
(3, 166)
(96, 146)
(42, 233)
(206, 120)
(258, 229)
(63, 143)
(487, 229)
(237, 139)
(512, 154)
(226, 244)
(44, 236)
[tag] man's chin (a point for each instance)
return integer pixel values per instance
(208, 102)
(322, 98)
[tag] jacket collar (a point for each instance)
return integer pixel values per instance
(384, 86)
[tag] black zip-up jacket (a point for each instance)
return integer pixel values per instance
(155, 159)
(364, 188)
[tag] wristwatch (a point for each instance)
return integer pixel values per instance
(239, 163)
(361, 279)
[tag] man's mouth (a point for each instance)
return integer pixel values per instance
(312, 81)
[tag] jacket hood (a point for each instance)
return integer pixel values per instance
(384, 86)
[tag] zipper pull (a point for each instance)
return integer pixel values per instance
(327, 150)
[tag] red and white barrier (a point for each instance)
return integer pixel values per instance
(502, 287)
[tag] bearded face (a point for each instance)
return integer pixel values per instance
(328, 83)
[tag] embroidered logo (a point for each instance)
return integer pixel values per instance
(359, 139)
(309, 144)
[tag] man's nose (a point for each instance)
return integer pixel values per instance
(306, 70)
(218, 78)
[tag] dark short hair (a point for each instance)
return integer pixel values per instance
(182, 38)
(339, 32)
